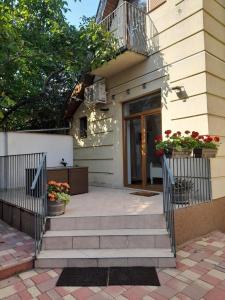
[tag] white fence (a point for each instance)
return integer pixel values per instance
(55, 145)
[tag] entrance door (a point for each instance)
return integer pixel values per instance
(142, 168)
(134, 151)
(153, 162)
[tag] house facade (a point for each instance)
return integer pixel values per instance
(170, 74)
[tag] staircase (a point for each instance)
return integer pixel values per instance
(104, 241)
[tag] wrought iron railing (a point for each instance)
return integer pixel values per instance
(192, 178)
(23, 183)
(132, 27)
(186, 182)
(168, 205)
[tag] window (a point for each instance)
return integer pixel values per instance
(83, 127)
(145, 103)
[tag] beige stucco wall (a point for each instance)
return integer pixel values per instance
(214, 25)
(178, 58)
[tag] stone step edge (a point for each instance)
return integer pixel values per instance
(17, 267)
(105, 232)
(106, 253)
(65, 216)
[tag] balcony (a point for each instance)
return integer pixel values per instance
(134, 30)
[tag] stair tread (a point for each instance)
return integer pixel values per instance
(105, 232)
(106, 253)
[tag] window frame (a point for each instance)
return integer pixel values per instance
(83, 123)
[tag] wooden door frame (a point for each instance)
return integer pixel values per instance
(142, 116)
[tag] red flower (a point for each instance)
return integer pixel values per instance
(159, 153)
(194, 134)
(201, 137)
(168, 132)
(187, 132)
(179, 133)
(158, 138)
(174, 135)
(209, 139)
(217, 139)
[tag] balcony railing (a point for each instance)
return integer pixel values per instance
(132, 27)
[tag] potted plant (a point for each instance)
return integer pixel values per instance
(181, 191)
(58, 197)
(175, 144)
(206, 146)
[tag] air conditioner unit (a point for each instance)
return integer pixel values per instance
(96, 93)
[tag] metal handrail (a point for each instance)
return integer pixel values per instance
(23, 184)
(168, 169)
(40, 167)
(168, 205)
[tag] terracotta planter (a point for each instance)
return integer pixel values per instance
(55, 208)
(184, 153)
(205, 152)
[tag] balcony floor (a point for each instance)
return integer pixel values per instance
(125, 60)
(102, 201)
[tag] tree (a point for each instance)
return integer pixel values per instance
(42, 56)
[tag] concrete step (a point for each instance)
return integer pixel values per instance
(153, 221)
(105, 258)
(106, 239)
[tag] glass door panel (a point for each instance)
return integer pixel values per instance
(153, 128)
(134, 151)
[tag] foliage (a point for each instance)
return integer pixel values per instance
(58, 191)
(42, 56)
(187, 141)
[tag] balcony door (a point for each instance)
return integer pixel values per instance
(142, 168)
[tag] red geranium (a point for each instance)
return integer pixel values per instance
(194, 134)
(168, 132)
(158, 138)
(187, 132)
(179, 133)
(208, 139)
(217, 139)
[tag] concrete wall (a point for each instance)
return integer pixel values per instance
(178, 58)
(56, 146)
(214, 26)
(197, 220)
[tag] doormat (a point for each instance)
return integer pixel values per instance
(144, 194)
(108, 276)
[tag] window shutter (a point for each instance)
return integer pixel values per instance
(153, 4)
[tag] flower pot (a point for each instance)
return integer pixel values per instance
(184, 153)
(205, 152)
(55, 208)
(180, 198)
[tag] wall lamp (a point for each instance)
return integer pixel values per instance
(180, 91)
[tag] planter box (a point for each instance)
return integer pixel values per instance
(76, 177)
(180, 198)
(205, 152)
(184, 153)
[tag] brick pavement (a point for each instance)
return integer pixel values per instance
(16, 250)
(200, 274)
